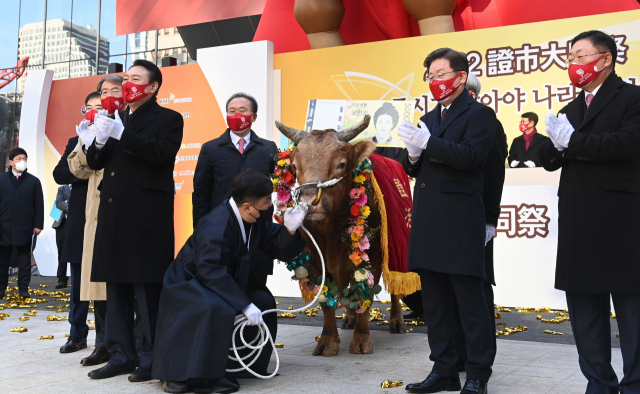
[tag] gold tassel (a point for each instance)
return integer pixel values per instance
(400, 284)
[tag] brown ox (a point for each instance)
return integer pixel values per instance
(322, 155)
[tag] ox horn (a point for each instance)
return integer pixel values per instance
(353, 131)
(294, 135)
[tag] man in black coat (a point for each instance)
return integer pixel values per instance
(596, 141)
(212, 280)
(74, 234)
(494, 173)
(134, 242)
(524, 149)
(235, 151)
(21, 219)
(447, 242)
(62, 203)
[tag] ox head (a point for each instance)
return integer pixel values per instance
(323, 155)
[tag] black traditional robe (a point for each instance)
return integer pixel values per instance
(206, 286)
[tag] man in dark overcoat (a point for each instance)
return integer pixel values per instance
(21, 218)
(62, 203)
(595, 140)
(446, 155)
(134, 242)
(212, 280)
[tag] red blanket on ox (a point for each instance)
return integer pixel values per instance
(393, 195)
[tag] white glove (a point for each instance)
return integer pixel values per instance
(553, 126)
(253, 315)
(414, 138)
(103, 112)
(530, 164)
(111, 127)
(293, 217)
(491, 232)
(514, 163)
(566, 129)
(101, 138)
(86, 135)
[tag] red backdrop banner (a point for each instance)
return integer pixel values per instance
(134, 16)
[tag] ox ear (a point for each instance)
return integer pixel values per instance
(363, 149)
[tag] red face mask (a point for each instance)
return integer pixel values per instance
(113, 104)
(91, 115)
(239, 122)
(441, 90)
(132, 92)
(524, 127)
(582, 75)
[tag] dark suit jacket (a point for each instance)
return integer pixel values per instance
(62, 203)
(74, 228)
(492, 191)
(203, 291)
(448, 222)
(218, 163)
(21, 208)
(599, 193)
(135, 237)
(519, 152)
(392, 153)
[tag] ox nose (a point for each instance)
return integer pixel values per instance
(311, 195)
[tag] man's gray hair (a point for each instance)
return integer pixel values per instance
(473, 85)
(114, 78)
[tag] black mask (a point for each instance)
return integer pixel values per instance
(266, 215)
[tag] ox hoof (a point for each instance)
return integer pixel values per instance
(361, 347)
(326, 348)
(397, 326)
(349, 320)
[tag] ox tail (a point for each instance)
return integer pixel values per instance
(400, 284)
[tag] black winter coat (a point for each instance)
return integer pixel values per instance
(201, 295)
(21, 208)
(520, 153)
(492, 191)
(219, 162)
(392, 153)
(599, 193)
(135, 237)
(448, 222)
(74, 227)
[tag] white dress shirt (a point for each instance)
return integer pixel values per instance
(235, 138)
(594, 93)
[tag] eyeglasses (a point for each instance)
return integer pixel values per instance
(569, 62)
(439, 76)
(111, 92)
(241, 111)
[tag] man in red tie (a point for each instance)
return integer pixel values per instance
(21, 218)
(235, 151)
(595, 139)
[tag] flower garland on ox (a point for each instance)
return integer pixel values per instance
(359, 294)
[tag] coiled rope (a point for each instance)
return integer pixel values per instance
(264, 336)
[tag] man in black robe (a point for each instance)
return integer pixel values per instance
(212, 281)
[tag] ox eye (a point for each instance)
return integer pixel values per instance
(342, 166)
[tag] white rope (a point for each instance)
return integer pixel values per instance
(264, 336)
(320, 185)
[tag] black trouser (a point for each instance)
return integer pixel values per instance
(414, 302)
(461, 348)
(263, 300)
(62, 265)
(78, 309)
(99, 315)
(24, 266)
(439, 293)
(591, 325)
(120, 338)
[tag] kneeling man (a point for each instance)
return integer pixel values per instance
(211, 281)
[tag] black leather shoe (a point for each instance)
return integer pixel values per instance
(140, 375)
(99, 356)
(473, 386)
(109, 371)
(24, 294)
(176, 387)
(62, 284)
(413, 316)
(434, 383)
(73, 345)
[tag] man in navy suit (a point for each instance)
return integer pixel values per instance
(447, 154)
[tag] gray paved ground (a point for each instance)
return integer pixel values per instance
(28, 365)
